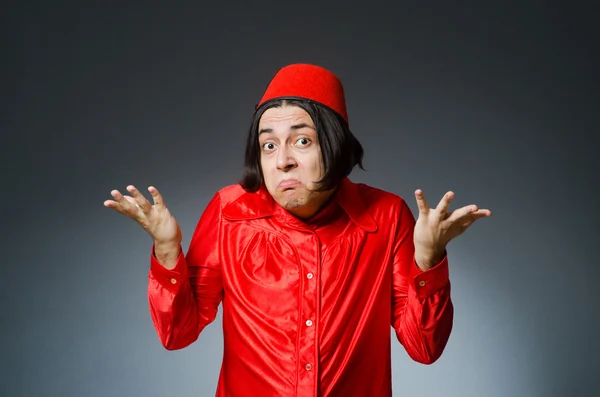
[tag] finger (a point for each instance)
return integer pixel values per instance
(444, 203)
(459, 213)
(473, 217)
(479, 214)
(421, 202)
(125, 205)
(141, 201)
(468, 213)
(485, 212)
(156, 196)
(113, 204)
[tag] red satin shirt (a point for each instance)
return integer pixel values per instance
(307, 306)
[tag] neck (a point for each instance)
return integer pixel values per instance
(308, 212)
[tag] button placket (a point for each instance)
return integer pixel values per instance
(308, 254)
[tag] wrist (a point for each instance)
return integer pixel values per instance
(167, 244)
(167, 253)
(426, 261)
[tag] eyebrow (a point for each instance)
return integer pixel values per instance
(294, 127)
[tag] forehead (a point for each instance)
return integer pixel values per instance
(285, 115)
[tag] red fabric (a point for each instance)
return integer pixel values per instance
(309, 82)
(350, 271)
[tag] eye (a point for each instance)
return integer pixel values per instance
(268, 146)
(303, 141)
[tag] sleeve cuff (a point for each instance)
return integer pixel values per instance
(169, 279)
(428, 282)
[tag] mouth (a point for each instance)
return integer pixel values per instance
(288, 184)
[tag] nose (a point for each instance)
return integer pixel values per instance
(285, 159)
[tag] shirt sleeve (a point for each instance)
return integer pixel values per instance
(422, 310)
(185, 299)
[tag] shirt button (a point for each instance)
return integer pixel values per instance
(173, 281)
(309, 276)
(308, 367)
(422, 283)
(308, 322)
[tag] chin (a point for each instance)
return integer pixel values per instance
(293, 202)
(293, 205)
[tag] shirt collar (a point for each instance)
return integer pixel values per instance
(260, 204)
(349, 197)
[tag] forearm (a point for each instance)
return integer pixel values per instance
(172, 305)
(174, 316)
(425, 325)
(183, 300)
(423, 312)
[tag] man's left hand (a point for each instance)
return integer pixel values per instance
(436, 227)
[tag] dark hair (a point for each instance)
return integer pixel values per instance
(340, 149)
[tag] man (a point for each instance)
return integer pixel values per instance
(311, 269)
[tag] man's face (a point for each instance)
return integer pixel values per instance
(290, 158)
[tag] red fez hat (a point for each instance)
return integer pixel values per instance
(310, 82)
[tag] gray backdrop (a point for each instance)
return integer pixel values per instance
(497, 103)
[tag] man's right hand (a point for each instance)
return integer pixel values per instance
(155, 219)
